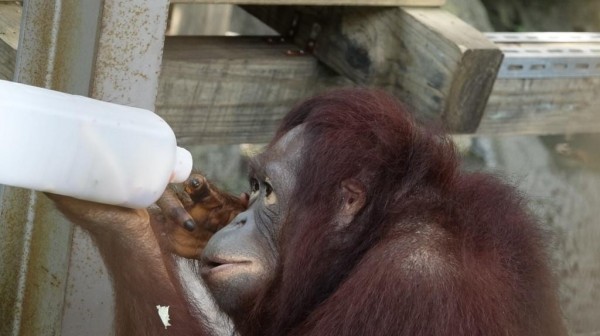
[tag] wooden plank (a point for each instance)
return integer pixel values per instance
(546, 105)
(10, 19)
(543, 106)
(418, 3)
(233, 90)
(434, 62)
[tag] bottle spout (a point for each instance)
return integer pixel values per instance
(183, 166)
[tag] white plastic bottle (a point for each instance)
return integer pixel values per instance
(85, 148)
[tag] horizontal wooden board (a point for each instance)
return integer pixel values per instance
(10, 18)
(535, 102)
(424, 3)
(236, 89)
(543, 106)
(437, 64)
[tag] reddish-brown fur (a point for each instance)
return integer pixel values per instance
(435, 251)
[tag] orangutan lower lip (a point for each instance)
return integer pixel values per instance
(213, 267)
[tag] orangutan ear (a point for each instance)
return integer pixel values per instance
(354, 197)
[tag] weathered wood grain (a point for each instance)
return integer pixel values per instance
(223, 90)
(10, 18)
(437, 64)
(425, 3)
(233, 90)
(543, 106)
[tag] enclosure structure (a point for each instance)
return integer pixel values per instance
(236, 89)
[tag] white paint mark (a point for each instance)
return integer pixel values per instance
(163, 312)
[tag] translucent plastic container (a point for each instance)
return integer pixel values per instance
(85, 148)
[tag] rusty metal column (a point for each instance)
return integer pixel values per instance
(56, 48)
(110, 50)
(127, 67)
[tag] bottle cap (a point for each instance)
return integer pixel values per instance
(183, 166)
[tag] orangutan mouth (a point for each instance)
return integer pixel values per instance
(218, 265)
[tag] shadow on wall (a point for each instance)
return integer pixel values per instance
(215, 20)
(560, 175)
(544, 15)
(564, 193)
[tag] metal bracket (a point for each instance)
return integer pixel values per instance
(548, 55)
(311, 43)
(543, 37)
(550, 63)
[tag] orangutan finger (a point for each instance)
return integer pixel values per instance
(197, 187)
(174, 210)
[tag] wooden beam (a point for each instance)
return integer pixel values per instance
(10, 19)
(234, 89)
(528, 100)
(543, 106)
(434, 62)
(419, 3)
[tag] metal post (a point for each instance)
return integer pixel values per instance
(110, 50)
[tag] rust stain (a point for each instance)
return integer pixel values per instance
(70, 21)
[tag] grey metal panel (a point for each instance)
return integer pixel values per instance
(89, 303)
(34, 239)
(128, 60)
(34, 257)
(58, 50)
(130, 52)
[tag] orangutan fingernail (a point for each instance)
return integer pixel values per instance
(195, 183)
(189, 225)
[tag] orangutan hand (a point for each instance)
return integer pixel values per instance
(192, 213)
(184, 218)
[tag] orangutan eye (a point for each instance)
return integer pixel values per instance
(254, 185)
(270, 197)
(268, 189)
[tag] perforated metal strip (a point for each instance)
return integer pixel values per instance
(543, 37)
(539, 58)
